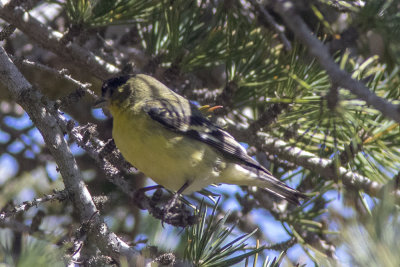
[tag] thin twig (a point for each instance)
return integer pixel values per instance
(62, 74)
(271, 21)
(342, 78)
(49, 39)
(58, 195)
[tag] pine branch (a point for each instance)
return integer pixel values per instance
(58, 195)
(271, 21)
(45, 120)
(341, 78)
(62, 74)
(49, 39)
(322, 166)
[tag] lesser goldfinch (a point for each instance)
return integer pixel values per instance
(167, 138)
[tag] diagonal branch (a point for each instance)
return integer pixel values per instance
(340, 77)
(324, 167)
(44, 119)
(271, 21)
(50, 39)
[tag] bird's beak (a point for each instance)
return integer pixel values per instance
(100, 103)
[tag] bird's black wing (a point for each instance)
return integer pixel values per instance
(190, 121)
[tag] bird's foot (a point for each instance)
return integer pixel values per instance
(140, 195)
(175, 212)
(172, 208)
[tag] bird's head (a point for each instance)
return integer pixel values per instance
(113, 90)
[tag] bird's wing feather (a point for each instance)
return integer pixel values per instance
(193, 124)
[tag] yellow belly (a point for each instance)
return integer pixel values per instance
(170, 159)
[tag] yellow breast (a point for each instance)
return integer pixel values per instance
(167, 157)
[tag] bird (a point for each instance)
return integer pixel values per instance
(168, 138)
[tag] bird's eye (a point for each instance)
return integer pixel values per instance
(109, 86)
(105, 90)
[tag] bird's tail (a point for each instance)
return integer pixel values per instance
(281, 190)
(278, 188)
(256, 175)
